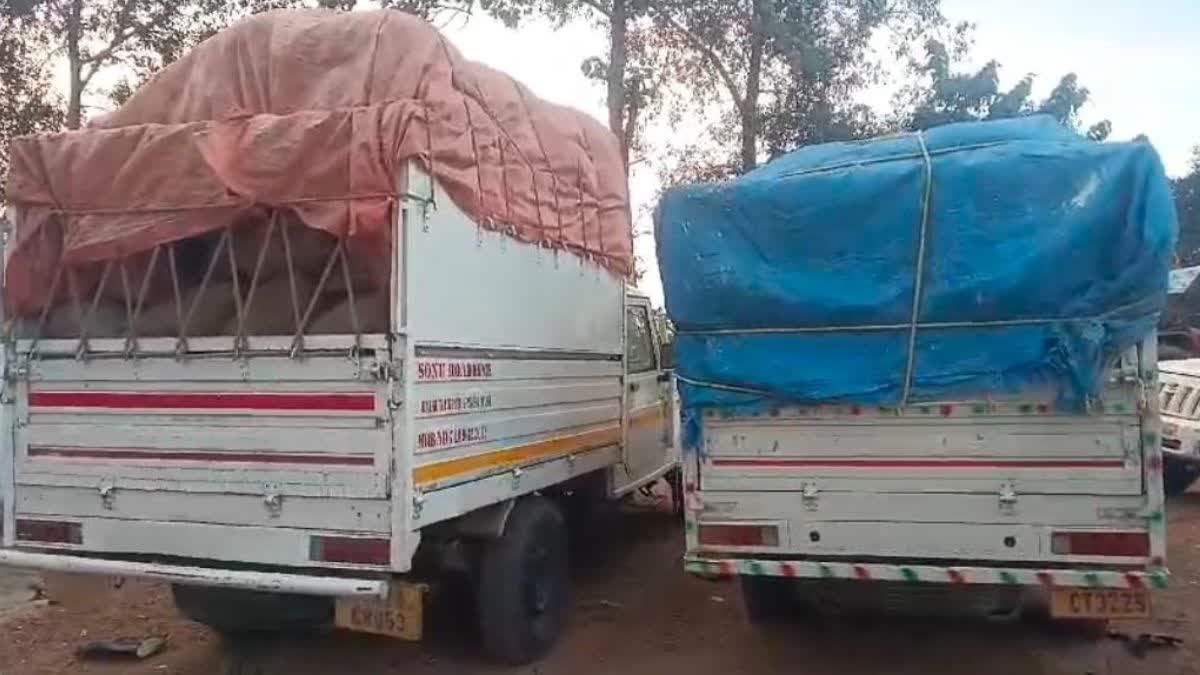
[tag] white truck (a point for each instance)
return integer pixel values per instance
(289, 480)
(1179, 383)
(1179, 400)
(885, 397)
(1017, 500)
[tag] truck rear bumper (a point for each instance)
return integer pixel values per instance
(1049, 577)
(271, 582)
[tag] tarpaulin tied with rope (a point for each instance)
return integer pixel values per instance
(316, 113)
(971, 261)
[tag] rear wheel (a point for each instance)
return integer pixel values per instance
(767, 598)
(1178, 476)
(524, 584)
(675, 481)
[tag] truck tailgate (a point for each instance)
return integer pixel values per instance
(946, 448)
(149, 454)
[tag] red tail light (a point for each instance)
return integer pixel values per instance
(728, 534)
(1124, 544)
(49, 531)
(351, 550)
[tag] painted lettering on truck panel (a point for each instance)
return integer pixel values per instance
(442, 371)
(446, 438)
(455, 404)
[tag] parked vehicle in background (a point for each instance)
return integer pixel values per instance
(1179, 381)
(904, 405)
(1179, 401)
(1178, 337)
(303, 395)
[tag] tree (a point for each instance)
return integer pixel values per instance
(629, 84)
(782, 73)
(28, 103)
(1187, 205)
(96, 34)
(943, 96)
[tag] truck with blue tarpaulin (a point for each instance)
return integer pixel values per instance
(928, 361)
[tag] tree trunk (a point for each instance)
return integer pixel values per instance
(75, 98)
(617, 59)
(74, 65)
(749, 111)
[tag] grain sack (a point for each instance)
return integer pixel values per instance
(108, 321)
(310, 249)
(372, 316)
(270, 311)
(87, 279)
(214, 309)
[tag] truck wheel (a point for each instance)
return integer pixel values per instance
(524, 585)
(244, 655)
(231, 611)
(675, 481)
(767, 598)
(1178, 476)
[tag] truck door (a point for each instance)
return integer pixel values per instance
(648, 450)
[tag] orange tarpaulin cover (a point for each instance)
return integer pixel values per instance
(319, 112)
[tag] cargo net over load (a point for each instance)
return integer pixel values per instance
(973, 262)
(251, 187)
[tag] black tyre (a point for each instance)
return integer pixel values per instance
(675, 481)
(233, 611)
(245, 654)
(524, 585)
(1178, 476)
(767, 598)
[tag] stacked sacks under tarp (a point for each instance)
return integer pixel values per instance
(199, 287)
(317, 115)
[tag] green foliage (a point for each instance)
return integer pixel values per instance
(28, 103)
(784, 73)
(945, 96)
(1187, 205)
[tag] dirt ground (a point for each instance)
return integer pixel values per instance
(637, 612)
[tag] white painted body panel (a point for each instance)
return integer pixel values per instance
(965, 483)
(649, 398)
(1179, 400)
(504, 375)
(476, 287)
(270, 582)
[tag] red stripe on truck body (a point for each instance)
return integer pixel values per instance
(216, 401)
(210, 456)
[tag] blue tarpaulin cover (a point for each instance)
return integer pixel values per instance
(1028, 256)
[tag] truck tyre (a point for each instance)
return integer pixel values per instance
(766, 598)
(675, 481)
(524, 584)
(232, 611)
(245, 655)
(1178, 476)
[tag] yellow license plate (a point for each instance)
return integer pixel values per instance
(1100, 603)
(401, 615)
